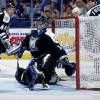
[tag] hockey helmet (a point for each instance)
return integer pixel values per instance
(40, 22)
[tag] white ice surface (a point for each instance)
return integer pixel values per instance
(11, 90)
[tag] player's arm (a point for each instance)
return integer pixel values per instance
(54, 48)
(24, 46)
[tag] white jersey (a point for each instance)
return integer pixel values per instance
(95, 11)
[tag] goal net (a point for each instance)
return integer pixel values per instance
(81, 39)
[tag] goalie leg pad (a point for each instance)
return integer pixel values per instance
(49, 69)
(19, 74)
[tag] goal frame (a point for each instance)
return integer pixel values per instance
(78, 58)
(77, 54)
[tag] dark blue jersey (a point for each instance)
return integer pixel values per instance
(42, 44)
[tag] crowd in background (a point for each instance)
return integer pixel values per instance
(50, 8)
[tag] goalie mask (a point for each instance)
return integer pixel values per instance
(41, 23)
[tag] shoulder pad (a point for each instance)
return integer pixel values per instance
(52, 36)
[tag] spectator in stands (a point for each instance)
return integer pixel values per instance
(18, 8)
(31, 10)
(90, 4)
(67, 11)
(58, 3)
(54, 15)
(94, 9)
(25, 10)
(82, 4)
(37, 7)
(63, 10)
(53, 8)
(47, 13)
(73, 3)
(2, 4)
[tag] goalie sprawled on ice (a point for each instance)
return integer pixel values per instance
(40, 44)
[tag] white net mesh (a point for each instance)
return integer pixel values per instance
(65, 32)
(89, 43)
(89, 52)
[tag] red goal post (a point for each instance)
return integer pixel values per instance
(83, 33)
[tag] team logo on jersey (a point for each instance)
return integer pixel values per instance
(32, 44)
(95, 11)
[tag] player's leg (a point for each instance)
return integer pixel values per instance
(30, 76)
(49, 71)
(19, 74)
(40, 64)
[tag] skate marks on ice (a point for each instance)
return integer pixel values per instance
(6, 85)
(10, 86)
(6, 91)
(8, 67)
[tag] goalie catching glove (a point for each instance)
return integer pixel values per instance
(70, 68)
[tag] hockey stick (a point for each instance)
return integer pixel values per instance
(17, 58)
(73, 48)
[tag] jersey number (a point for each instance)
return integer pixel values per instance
(3, 27)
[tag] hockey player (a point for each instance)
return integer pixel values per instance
(39, 42)
(5, 45)
(30, 76)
